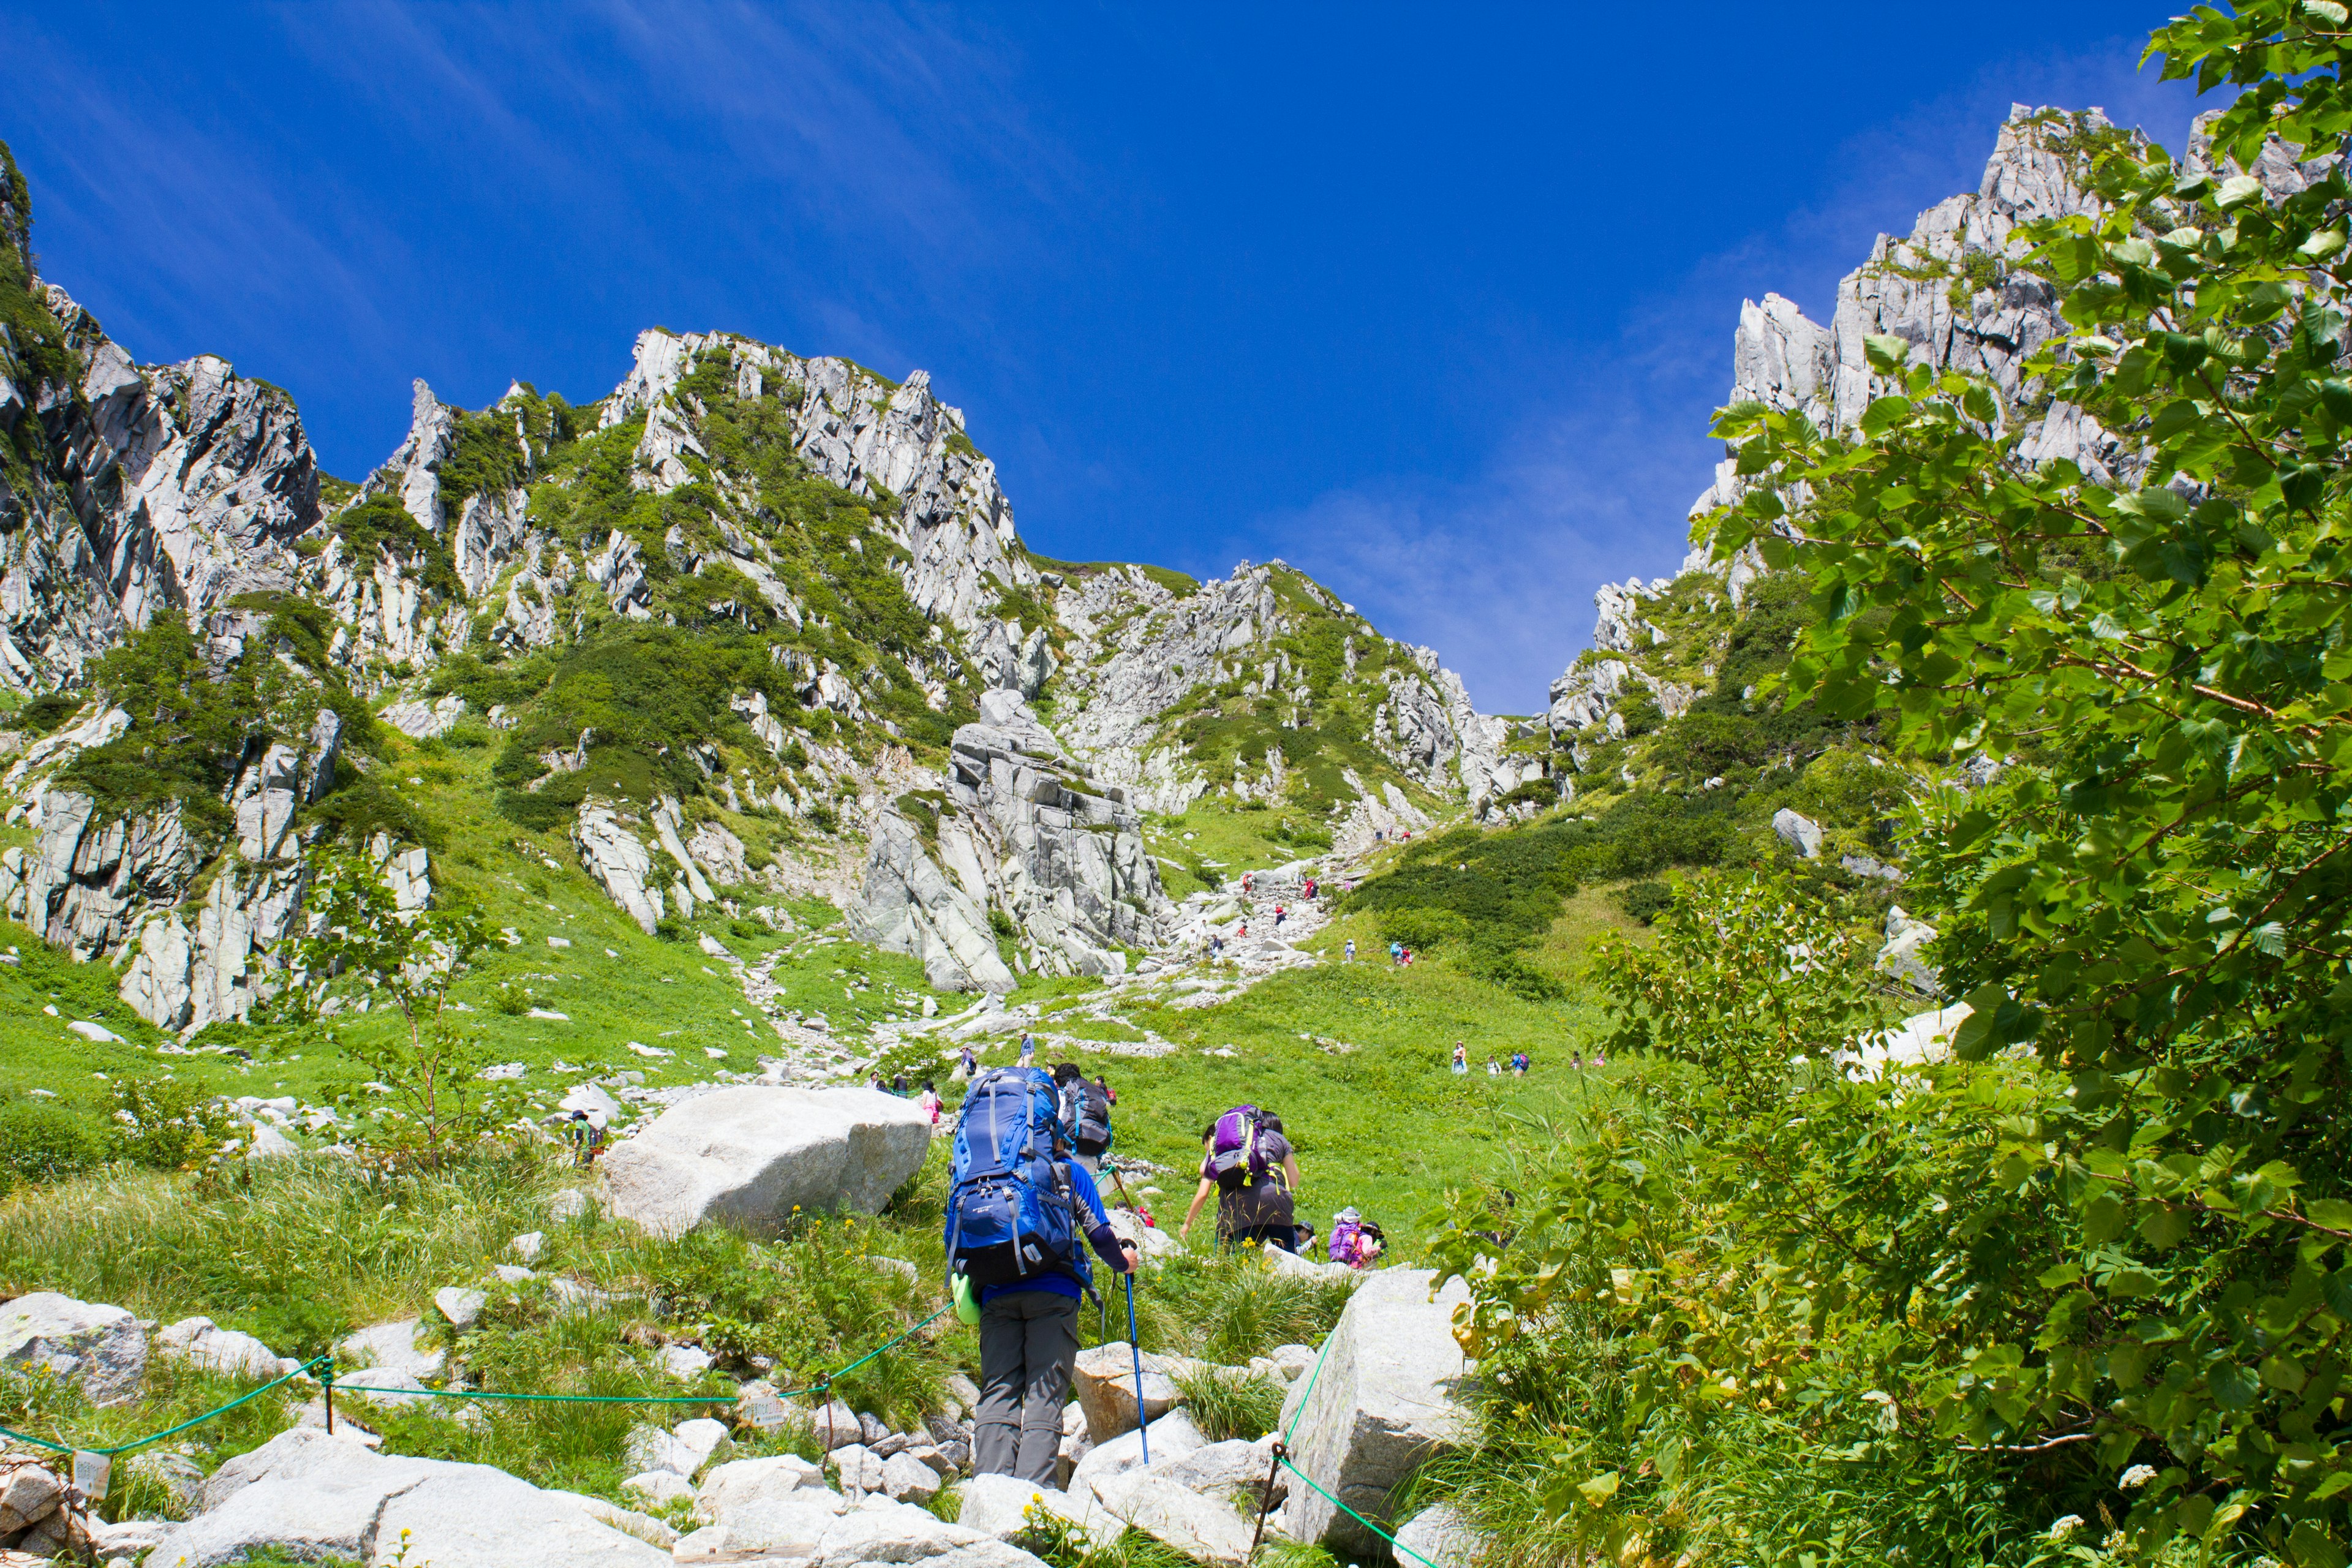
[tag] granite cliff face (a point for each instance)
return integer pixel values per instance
(753, 625)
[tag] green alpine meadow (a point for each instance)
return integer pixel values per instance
(498, 948)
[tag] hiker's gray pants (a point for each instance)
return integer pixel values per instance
(1028, 1344)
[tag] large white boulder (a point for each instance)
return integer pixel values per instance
(102, 1348)
(1105, 1383)
(749, 1156)
(1386, 1400)
(313, 1496)
(1905, 956)
(1798, 831)
(199, 1342)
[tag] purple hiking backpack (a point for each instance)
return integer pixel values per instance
(1233, 1145)
(1344, 1232)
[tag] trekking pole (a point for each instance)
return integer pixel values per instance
(1135, 1347)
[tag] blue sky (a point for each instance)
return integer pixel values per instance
(1432, 303)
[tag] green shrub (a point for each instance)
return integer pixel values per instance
(380, 524)
(1645, 901)
(167, 1124)
(41, 1143)
(45, 713)
(1422, 929)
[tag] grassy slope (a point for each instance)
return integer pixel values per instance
(618, 985)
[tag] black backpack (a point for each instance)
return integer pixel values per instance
(1090, 1115)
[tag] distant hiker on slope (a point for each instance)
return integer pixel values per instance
(1252, 1168)
(1085, 1112)
(967, 1066)
(1461, 1058)
(1351, 950)
(1028, 1050)
(1017, 1204)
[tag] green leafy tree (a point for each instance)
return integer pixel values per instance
(406, 961)
(1732, 1324)
(2155, 902)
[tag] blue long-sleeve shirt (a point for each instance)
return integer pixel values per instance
(1071, 1278)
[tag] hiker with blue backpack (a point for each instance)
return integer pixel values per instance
(1018, 1205)
(1247, 1161)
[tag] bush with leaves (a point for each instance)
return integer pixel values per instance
(2098, 1267)
(407, 961)
(1748, 1325)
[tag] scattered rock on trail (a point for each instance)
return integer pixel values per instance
(738, 1483)
(587, 1097)
(196, 1342)
(1798, 832)
(1293, 1359)
(268, 1143)
(1440, 1535)
(567, 1205)
(683, 1362)
(751, 1156)
(1299, 1268)
(1203, 1527)
(1220, 1469)
(1385, 1401)
(694, 1445)
(101, 1348)
(311, 1496)
(994, 1506)
(659, 1488)
(819, 1527)
(1104, 1382)
(461, 1304)
(28, 1494)
(527, 1246)
(392, 1348)
(628, 1522)
(1173, 1437)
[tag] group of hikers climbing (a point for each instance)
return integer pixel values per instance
(1024, 1215)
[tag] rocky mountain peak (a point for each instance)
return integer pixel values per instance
(1949, 288)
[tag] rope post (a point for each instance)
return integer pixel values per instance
(1266, 1498)
(327, 1382)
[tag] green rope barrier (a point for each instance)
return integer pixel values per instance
(893, 1344)
(171, 1431)
(821, 1385)
(550, 1398)
(1298, 1415)
(37, 1442)
(1358, 1517)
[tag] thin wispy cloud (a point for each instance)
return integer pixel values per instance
(1596, 484)
(210, 237)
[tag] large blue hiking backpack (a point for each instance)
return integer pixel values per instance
(1010, 1213)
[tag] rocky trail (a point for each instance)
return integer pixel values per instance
(1357, 1412)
